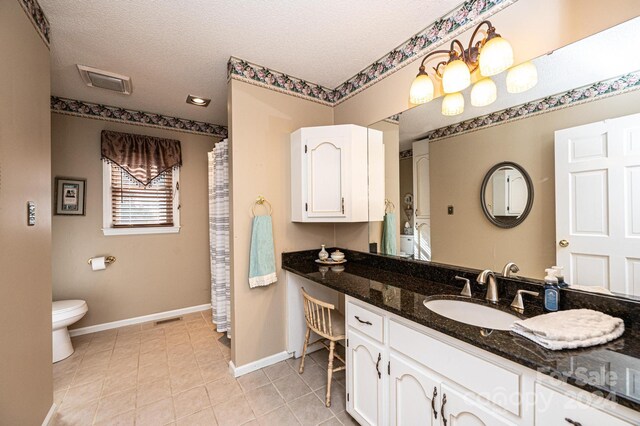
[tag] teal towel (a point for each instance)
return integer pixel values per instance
(262, 259)
(389, 234)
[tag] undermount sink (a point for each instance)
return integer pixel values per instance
(471, 313)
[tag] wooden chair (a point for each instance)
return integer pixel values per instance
(325, 321)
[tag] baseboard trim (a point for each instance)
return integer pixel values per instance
(47, 420)
(256, 365)
(138, 320)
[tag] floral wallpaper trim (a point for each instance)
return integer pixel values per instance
(432, 37)
(256, 74)
(38, 18)
(602, 89)
(111, 113)
(408, 153)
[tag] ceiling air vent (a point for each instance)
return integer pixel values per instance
(94, 77)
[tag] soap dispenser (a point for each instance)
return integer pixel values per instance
(557, 271)
(551, 291)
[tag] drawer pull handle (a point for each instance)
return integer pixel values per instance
(363, 322)
(378, 366)
(444, 402)
(573, 422)
(433, 403)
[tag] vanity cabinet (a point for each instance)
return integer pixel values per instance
(367, 360)
(401, 373)
(329, 173)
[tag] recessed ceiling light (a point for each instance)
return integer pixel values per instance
(198, 101)
(94, 77)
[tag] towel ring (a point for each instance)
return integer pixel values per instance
(388, 206)
(261, 201)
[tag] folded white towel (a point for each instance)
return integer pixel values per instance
(570, 329)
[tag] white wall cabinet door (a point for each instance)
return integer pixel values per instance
(366, 383)
(414, 394)
(459, 410)
(326, 163)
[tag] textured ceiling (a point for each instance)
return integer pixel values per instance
(171, 48)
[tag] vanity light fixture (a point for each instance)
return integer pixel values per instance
(453, 104)
(491, 55)
(198, 101)
(522, 77)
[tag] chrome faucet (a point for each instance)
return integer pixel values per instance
(509, 268)
(488, 277)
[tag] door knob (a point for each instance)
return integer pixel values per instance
(563, 243)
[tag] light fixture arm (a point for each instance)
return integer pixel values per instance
(430, 54)
(491, 32)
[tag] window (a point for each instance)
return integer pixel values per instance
(141, 177)
(131, 208)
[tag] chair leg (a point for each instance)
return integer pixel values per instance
(304, 349)
(332, 345)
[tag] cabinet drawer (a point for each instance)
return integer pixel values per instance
(365, 321)
(496, 384)
(555, 408)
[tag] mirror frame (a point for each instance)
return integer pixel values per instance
(483, 188)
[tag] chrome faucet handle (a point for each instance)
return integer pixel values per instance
(518, 304)
(466, 291)
(509, 268)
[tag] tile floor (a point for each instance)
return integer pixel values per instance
(177, 374)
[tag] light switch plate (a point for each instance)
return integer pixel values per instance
(31, 213)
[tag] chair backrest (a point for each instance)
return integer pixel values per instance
(317, 314)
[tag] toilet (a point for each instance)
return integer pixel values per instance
(63, 314)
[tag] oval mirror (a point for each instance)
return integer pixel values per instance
(506, 195)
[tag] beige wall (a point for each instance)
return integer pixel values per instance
(152, 273)
(26, 386)
(533, 27)
(459, 164)
(391, 140)
(262, 122)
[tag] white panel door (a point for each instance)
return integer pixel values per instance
(366, 385)
(598, 204)
(422, 198)
(326, 163)
(414, 394)
(459, 410)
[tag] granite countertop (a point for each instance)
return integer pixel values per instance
(611, 370)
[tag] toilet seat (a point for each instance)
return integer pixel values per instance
(64, 309)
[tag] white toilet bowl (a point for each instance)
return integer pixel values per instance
(63, 314)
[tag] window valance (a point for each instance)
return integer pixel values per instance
(142, 157)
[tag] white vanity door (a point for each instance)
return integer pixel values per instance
(366, 383)
(414, 394)
(459, 410)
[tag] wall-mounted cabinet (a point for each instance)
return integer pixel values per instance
(329, 173)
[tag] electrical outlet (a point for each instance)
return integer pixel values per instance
(450, 210)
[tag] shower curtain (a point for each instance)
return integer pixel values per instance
(219, 236)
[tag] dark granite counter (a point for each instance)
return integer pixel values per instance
(611, 370)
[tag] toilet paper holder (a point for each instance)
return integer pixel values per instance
(107, 260)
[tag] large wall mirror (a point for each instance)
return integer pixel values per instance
(573, 140)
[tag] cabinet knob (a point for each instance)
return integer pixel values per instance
(563, 243)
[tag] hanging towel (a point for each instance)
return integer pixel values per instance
(389, 234)
(575, 328)
(262, 260)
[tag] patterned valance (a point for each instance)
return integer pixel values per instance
(142, 157)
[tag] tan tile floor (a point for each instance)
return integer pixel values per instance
(177, 374)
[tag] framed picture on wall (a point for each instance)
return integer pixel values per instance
(70, 195)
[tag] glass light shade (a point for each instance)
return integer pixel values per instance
(421, 90)
(522, 77)
(453, 104)
(456, 76)
(483, 93)
(495, 56)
